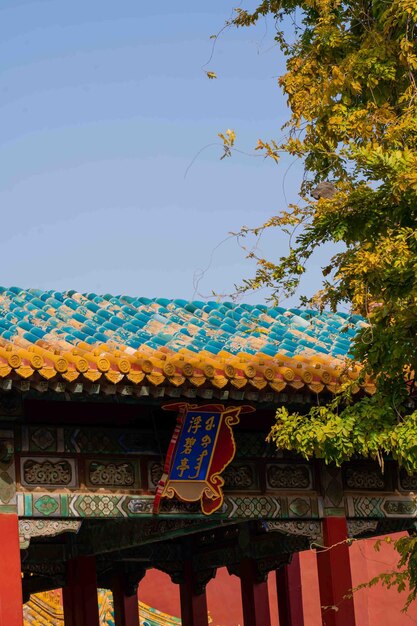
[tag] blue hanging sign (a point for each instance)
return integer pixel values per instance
(201, 448)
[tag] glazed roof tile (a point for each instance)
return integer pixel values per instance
(136, 340)
(45, 609)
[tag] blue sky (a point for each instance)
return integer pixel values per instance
(104, 106)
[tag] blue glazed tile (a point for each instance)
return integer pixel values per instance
(197, 325)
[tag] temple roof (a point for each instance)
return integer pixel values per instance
(45, 609)
(69, 336)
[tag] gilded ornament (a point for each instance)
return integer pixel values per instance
(307, 376)
(400, 507)
(70, 375)
(239, 477)
(47, 472)
(5, 371)
(239, 382)
(47, 372)
(291, 476)
(103, 364)
(36, 361)
(169, 369)
(123, 365)
(258, 383)
(177, 381)
(114, 377)
(208, 370)
(250, 371)
(363, 478)
(197, 381)
(188, 370)
(25, 371)
(111, 474)
(278, 386)
(408, 482)
(61, 365)
(219, 381)
(14, 360)
(229, 371)
(288, 374)
(269, 373)
(81, 364)
(326, 377)
(147, 366)
(92, 375)
(135, 377)
(155, 473)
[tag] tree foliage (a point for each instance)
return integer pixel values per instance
(351, 90)
(351, 87)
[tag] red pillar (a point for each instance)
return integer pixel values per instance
(289, 593)
(255, 599)
(80, 595)
(193, 605)
(335, 579)
(126, 610)
(11, 603)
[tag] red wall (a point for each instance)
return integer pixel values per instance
(372, 606)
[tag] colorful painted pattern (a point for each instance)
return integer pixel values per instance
(97, 506)
(71, 336)
(45, 609)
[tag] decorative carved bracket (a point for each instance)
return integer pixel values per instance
(201, 578)
(44, 528)
(358, 527)
(171, 568)
(310, 529)
(262, 567)
(175, 569)
(128, 575)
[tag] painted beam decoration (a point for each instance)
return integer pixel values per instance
(201, 448)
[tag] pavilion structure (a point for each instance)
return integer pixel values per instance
(87, 454)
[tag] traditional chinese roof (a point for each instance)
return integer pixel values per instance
(45, 609)
(136, 345)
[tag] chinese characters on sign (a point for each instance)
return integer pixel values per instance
(201, 448)
(195, 446)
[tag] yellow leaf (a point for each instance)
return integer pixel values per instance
(232, 136)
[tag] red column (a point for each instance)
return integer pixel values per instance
(193, 606)
(289, 592)
(335, 579)
(80, 595)
(126, 610)
(11, 603)
(255, 599)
